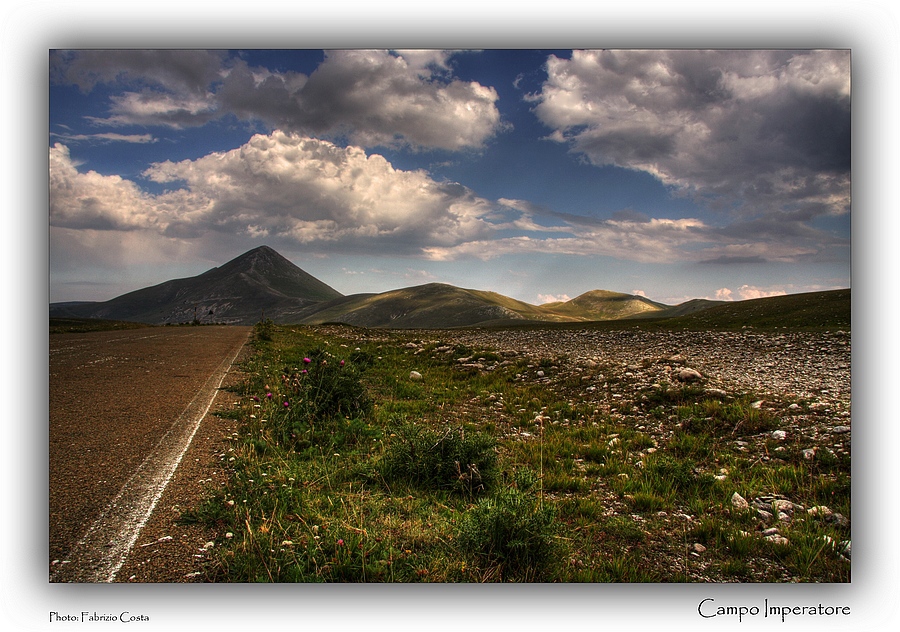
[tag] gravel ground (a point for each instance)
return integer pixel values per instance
(613, 367)
(796, 364)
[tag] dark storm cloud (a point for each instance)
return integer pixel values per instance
(755, 129)
(181, 71)
(369, 97)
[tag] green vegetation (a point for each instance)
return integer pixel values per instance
(373, 456)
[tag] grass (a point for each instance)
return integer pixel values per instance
(348, 468)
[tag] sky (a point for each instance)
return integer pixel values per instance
(538, 174)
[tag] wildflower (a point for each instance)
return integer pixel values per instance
(342, 363)
(340, 543)
(307, 360)
(269, 395)
(286, 404)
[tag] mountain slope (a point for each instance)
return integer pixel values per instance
(604, 305)
(257, 283)
(263, 284)
(809, 310)
(433, 305)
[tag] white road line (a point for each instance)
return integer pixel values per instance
(99, 555)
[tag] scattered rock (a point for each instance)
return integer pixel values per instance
(415, 376)
(689, 375)
(739, 502)
(765, 516)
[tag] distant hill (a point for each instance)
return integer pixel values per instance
(604, 305)
(259, 282)
(263, 284)
(434, 305)
(809, 310)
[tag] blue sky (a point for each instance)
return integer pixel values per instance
(539, 174)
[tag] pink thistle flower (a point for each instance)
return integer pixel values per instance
(340, 543)
(269, 395)
(286, 404)
(307, 360)
(342, 363)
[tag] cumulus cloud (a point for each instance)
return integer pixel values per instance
(543, 299)
(750, 130)
(285, 186)
(291, 189)
(94, 201)
(368, 97)
(747, 292)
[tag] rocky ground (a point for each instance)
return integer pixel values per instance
(802, 377)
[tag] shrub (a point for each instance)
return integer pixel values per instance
(511, 533)
(322, 389)
(738, 418)
(264, 330)
(454, 460)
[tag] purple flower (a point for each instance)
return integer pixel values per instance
(342, 363)
(286, 404)
(307, 360)
(269, 395)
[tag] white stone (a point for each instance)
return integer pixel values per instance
(739, 502)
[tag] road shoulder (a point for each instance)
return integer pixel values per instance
(166, 550)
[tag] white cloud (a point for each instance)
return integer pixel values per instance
(552, 298)
(150, 108)
(94, 201)
(747, 292)
(283, 186)
(290, 189)
(107, 137)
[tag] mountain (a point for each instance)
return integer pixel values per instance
(604, 305)
(429, 306)
(263, 284)
(809, 310)
(259, 283)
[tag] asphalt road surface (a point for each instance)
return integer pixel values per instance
(124, 406)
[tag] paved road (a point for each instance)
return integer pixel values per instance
(123, 407)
